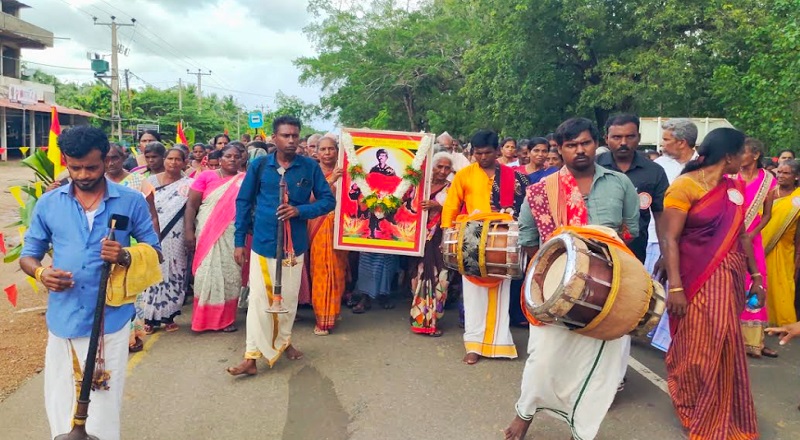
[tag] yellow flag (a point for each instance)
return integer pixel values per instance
(33, 284)
(22, 230)
(24, 150)
(39, 185)
(16, 191)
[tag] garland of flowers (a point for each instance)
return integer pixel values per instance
(389, 203)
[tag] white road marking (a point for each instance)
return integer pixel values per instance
(648, 374)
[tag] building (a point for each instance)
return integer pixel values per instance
(25, 105)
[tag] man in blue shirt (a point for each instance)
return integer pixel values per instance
(73, 219)
(269, 335)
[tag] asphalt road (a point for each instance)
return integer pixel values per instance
(373, 379)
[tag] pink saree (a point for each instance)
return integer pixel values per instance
(217, 276)
(754, 322)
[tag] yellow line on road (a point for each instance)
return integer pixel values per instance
(137, 358)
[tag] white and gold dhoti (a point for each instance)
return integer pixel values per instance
(486, 320)
(269, 334)
(60, 393)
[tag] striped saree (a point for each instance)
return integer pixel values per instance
(706, 362)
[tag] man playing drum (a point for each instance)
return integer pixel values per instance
(485, 186)
(571, 376)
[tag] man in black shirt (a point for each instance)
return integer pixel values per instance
(650, 180)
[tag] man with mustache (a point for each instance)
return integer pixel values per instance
(650, 180)
(580, 194)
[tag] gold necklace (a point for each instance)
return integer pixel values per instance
(83, 204)
(705, 182)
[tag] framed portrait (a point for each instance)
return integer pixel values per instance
(379, 197)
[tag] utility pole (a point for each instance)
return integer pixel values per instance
(128, 88)
(115, 103)
(200, 76)
(180, 95)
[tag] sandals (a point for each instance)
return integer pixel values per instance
(436, 334)
(319, 332)
(768, 352)
(363, 305)
(137, 346)
(171, 327)
(385, 302)
(230, 329)
(149, 329)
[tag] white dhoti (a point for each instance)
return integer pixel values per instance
(571, 377)
(60, 393)
(268, 334)
(486, 320)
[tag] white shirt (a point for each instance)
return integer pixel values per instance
(459, 162)
(90, 215)
(673, 169)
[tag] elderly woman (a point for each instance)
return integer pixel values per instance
(430, 284)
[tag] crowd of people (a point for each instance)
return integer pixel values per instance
(713, 221)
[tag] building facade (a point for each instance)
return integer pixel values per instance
(25, 105)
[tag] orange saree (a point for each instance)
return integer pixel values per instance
(328, 271)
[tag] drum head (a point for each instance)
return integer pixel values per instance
(554, 276)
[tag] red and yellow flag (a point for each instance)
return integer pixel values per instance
(180, 136)
(53, 151)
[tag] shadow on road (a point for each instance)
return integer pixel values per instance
(315, 411)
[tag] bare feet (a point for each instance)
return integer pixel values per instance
(248, 367)
(293, 354)
(517, 429)
(471, 358)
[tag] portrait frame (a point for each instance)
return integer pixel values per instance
(379, 197)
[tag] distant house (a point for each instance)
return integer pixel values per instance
(25, 105)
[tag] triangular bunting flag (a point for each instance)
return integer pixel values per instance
(22, 230)
(2, 151)
(3, 243)
(43, 148)
(24, 150)
(11, 293)
(33, 284)
(39, 186)
(16, 191)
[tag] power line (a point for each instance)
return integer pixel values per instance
(241, 92)
(47, 65)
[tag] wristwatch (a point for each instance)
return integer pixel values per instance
(126, 259)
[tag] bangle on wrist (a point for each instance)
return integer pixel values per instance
(37, 274)
(753, 275)
(675, 289)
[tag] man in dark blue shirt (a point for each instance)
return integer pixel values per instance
(269, 335)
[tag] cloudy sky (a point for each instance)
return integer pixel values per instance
(248, 45)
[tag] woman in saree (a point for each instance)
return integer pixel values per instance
(209, 229)
(328, 266)
(162, 302)
(707, 253)
(196, 163)
(758, 196)
(782, 245)
(429, 286)
(116, 173)
(138, 162)
(154, 154)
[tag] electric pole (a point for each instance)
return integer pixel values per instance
(200, 76)
(128, 88)
(115, 103)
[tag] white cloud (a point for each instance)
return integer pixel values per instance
(249, 45)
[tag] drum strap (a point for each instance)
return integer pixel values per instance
(482, 247)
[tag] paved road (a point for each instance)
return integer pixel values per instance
(373, 379)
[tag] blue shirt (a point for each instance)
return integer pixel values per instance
(59, 220)
(303, 177)
(536, 176)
